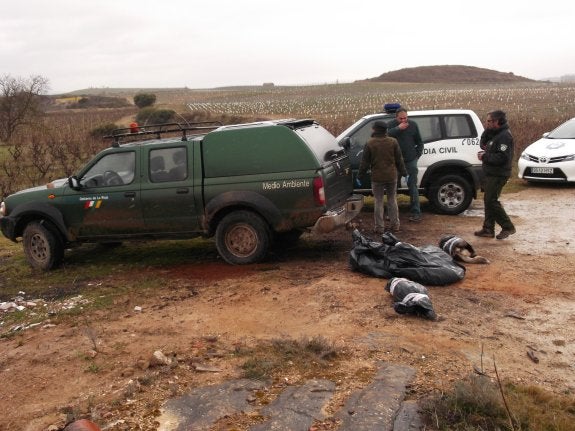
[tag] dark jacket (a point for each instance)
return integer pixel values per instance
(498, 147)
(409, 140)
(383, 156)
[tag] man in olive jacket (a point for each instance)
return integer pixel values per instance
(382, 156)
(496, 156)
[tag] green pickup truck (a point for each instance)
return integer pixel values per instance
(247, 185)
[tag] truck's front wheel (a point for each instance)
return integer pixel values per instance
(42, 246)
(242, 237)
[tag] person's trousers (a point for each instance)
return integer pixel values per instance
(494, 211)
(379, 192)
(412, 172)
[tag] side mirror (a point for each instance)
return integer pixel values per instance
(74, 183)
(346, 143)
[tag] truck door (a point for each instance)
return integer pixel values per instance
(108, 202)
(167, 191)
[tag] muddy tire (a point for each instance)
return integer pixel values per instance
(242, 237)
(43, 247)
(450, 194)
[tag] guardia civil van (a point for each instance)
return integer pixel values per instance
(449, 172)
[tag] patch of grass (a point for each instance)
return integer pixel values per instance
(99, 273)
(476, 404)
(306, 357)
(91, 262)
(93, 368)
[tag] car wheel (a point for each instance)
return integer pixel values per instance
(42, 246)
(242, 237)
(450, 194)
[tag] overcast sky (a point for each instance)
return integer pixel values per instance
(77, 44)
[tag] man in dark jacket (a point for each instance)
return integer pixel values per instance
(496, 156)
(411, 144)
(382, 156)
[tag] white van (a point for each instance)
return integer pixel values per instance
(449, 172)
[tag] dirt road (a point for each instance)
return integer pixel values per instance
(521, 303)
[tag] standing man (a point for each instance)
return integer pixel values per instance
(382, 156)
(496, 156)
(411, 146)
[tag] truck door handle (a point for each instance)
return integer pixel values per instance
(182, 191)
(130, 194)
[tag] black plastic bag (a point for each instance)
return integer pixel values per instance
(428, 265)
(410, 298)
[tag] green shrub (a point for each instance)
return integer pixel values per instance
(151, 115)
(143, 100)
(103, 130)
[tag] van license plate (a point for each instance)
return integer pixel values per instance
(542, 170)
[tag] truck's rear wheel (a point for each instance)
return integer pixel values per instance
(450, 194)
(242, 237)
(42, 246)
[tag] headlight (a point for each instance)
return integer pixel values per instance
(569, 158)
(524, 156)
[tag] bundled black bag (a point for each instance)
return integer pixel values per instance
(428, 265)
(410, 298)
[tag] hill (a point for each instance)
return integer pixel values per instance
(448, 74)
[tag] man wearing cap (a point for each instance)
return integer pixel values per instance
(411, 144)
(382, 156)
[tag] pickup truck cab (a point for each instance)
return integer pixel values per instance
(246, 185)
(449, 172)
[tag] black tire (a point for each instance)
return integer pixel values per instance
(450, 194)
(242, 237)
(43, 247)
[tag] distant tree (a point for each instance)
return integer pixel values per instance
(20, 103)
(143, 100)
(103, 130)
(151, 115)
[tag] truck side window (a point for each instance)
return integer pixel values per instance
(168, 164)
(111, 170)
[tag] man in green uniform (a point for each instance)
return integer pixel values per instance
(496, 156)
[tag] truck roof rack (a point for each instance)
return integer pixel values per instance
(136, 132)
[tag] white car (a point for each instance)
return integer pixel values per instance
(551, 158)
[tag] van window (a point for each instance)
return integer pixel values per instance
(457, 126)
(429, 128)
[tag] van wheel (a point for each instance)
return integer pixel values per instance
(450, 194)
(43, 247)
(242, 237)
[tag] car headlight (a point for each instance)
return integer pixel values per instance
(569, 158)
(524, 156)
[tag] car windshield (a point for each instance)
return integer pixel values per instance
(564, 131)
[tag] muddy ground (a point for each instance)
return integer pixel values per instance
(516, 313)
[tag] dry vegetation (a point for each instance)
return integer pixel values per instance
(60, 143)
